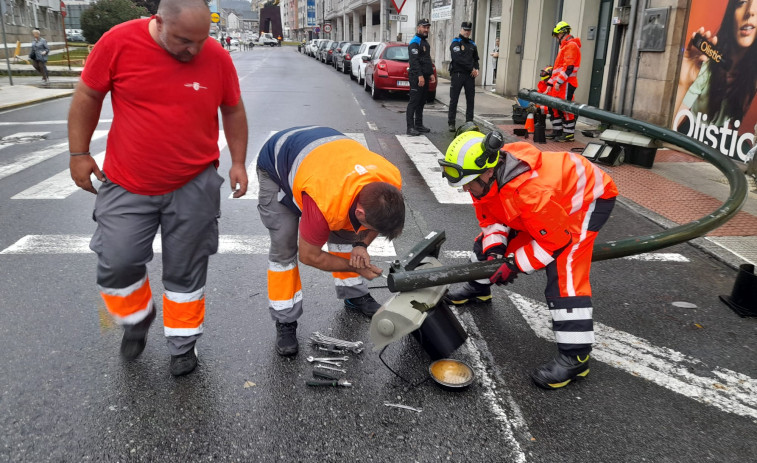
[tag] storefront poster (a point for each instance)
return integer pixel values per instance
(311, 13)
(715, 101)
(441, 9)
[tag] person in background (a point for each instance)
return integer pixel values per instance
(39, 53)
(495, 60)
(463, 72)
(420, 74)
(564, 79)
(537, 210)
(160, 169)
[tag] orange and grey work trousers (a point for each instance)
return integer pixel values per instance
(568, 290)
(563, 120)
(127, 224)
(284, 286)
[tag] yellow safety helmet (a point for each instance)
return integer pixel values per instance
(546, 73)
(561, 27)
(466, 159)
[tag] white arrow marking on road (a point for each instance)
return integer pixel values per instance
(21, 137)
(35, 157)
(252, 175)
(727, 390)
(227, 244)
(424, 155)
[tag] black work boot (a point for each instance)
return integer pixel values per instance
(566, 137)
(554, 134)
(286, 339)
(184, 363)
(471, 291)
(452, 127)
(422, 128)
(561, 370)
(365, 304)
(413, 132)
(134, 339)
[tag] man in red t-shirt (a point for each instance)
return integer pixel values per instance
(167, 83)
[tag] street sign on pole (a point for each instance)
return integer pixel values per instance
(398, 17)
(327, 27)
(215, 17)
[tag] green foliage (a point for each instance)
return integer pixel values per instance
(104, 14)
(151, 5)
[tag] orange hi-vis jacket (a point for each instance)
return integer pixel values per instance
(545, 89)
(545, 194)
(567, 63)
(334, 186)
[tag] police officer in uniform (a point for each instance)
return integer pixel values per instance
(420, 74)
(463, 71)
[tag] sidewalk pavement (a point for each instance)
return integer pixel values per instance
(678, 189)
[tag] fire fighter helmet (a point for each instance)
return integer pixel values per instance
(561, 27)
(546, 73)
(466, 159)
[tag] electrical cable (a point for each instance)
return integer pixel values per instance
(412, 385)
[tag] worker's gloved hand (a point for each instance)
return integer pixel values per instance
(556, 86)
(495, 252)
(506, 273)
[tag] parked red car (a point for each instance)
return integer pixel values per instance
(386, 71)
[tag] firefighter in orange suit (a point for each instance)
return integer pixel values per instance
(536, 211)
(564, 80)
(542, 87)
(318, 186)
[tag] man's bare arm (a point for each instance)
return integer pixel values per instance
(235, 128)
(82, 121)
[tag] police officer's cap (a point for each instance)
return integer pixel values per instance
(424, 22)
(466, 26)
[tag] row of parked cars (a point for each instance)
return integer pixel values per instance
(380, 67)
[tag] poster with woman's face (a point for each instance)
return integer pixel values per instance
(715, 100)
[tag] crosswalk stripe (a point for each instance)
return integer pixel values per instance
(227, 244)
(424, 155)
(60, 185)
(35, 157)
(725, 389)
(252, 174)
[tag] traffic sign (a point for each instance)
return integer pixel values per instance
(63, 9)
(316, 29)
(327, 28)
(398, 17)
(215, 17)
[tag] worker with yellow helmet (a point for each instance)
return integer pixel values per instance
(537, 210)
(564, 80)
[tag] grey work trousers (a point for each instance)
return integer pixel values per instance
(126, 227)
(283, 227)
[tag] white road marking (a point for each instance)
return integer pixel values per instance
(58, 122)
(227, 244)
(511, 425)
(18, 138)
(725, 389)
(372, 126)
(35, 157)
(659, 256)
(59, 186)
(424, 155)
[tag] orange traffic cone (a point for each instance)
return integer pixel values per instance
(530, 123)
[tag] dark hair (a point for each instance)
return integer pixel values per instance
(745, 70)
(384, 208)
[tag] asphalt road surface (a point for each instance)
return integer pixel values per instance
(672, 378)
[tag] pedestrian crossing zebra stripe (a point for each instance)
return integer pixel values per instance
(61, 186)
(424, 155)
(242, 244)
(227, 244)
(35, 157)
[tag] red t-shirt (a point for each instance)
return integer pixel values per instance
(165, 112)
(313, 225)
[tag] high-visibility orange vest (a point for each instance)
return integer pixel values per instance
(333, 174)
(568, 55)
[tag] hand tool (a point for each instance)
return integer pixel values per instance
(329, 367)
(317, 382)
(323, 360)
(406, 407)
